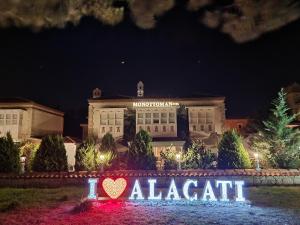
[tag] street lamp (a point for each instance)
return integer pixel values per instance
(102, 157)
(178, 158)
(23, 161)
(256, 156)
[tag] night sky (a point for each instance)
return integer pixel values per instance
(61, 67)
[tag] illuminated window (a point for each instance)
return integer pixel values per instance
(148, 118)
(202, 127)
(164, 117)
(171, 117)
(20, 119)
(2, 119)
(118, 129)
(172, 128)
(8, 119)
(14, 119)
(118, 115)
(103, 118)
(148, 129)
(156, 118)
(209, 127)
(201, 119)
(209, 117)
(111, 115)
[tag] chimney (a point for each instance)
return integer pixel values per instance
(96, 93)
(140, 89)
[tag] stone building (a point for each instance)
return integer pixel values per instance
(293, 98)
(25, 119)
(168, 120)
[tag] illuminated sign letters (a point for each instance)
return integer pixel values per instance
(212, 189)
(154, 104)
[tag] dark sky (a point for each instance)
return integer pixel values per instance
(60, 67)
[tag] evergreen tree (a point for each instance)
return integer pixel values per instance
(169, 159)
(282, 141)
(232, 153)
(109, 150)
(129, 126)
(28, 149)
(198, 157)
(51, 155)
(140, 155)
(9, 155)
(87, 156)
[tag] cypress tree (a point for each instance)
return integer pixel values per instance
(9, 155)
(51, 155)
(140, 155)
(87, 156)
(232, 153)
(282, 141)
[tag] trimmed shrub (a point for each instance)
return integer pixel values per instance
(195, 157)
(9, 155)
(198, 157)
(51, 155)
(87, 156)
(232, 153)
(29, 149)
(140, 154)
(109, 150)
(169, 159)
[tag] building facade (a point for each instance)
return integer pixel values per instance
(161, 117)
(25, 119)
(293, 98)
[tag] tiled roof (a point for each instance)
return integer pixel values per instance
(192, 96)
(158, 173)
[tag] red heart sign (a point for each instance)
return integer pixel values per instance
(114, 188)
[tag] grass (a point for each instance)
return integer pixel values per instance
(279, 197)
(13, 198)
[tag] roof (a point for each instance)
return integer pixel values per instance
(295, 87)
(73, 140)
(148, 97)
(166, 139)
(17, 102)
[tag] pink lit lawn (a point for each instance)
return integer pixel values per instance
(269, 205)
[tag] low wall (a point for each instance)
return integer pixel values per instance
(250, 176)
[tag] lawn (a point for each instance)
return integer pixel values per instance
(14, 198)
(269, 205)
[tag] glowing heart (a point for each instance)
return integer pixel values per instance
(114, 188)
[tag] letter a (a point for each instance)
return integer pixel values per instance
(208, 192)
(173, 192)
(136, 191)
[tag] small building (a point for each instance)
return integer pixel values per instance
(238, 124)
(26, 119)
(71, 145)
(293, 99)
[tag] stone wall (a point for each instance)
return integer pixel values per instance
(250, 176)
